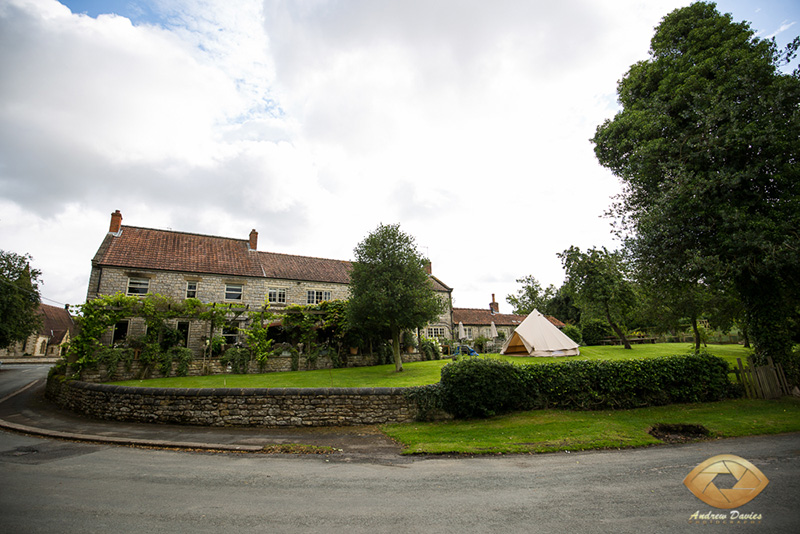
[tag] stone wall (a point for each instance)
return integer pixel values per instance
(270, 407)
(210, 287)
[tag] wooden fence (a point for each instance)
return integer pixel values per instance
(762, 382)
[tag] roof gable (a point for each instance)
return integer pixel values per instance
(55, 321)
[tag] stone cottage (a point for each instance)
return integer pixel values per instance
(213, 269)
(57, 327)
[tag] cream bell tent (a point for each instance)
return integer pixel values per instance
(536, 336)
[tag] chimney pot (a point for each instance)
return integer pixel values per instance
(116, 222)
(253, 239)
(428, 268)
(494, 307)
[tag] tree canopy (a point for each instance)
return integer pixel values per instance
(531, 296)
(390, 289)
(19, 298)
(599, 280)
(707, 147)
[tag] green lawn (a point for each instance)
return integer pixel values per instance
(414, 374)
(556, 430)
(417, 373)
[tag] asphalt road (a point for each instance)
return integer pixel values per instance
(60, 486)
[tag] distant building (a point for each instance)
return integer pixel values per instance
(56, 330)
(478, 322)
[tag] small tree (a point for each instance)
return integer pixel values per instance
(389, 288)
(599, 279)
(531, 296)
(19, 298)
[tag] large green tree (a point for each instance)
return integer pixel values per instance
(531, 296)
(600, 282)
(390, 289)
(19, 298)
(707, 147)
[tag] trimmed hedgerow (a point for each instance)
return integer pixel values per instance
(481, 387)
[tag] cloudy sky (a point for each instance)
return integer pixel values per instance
(465, 121)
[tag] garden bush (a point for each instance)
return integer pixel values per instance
(477, 387)
(594, 330)
(482, 387)
(573, 332)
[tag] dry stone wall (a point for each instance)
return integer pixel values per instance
(270, 407)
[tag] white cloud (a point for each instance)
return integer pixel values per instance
(466, 122)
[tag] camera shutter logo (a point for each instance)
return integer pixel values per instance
(749, 481)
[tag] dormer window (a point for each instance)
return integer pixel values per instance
(138, 286)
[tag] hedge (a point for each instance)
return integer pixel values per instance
(482, 387)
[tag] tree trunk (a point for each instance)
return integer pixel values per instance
(696, 334)
(398, 359)
(618, 330)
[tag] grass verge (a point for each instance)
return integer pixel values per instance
(558, 430)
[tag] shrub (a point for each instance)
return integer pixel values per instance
(430, 349)
(477, 387)
(482, 387)
(428, 400)
(480, 343)
(238, 358)
(594, 331)
(573, 332)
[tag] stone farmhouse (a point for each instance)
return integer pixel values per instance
(56, 329)
(213, 269)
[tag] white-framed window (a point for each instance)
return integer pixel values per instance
(315, 297)
(468, 332)
(436, 331)
(277, 295)
(191, 289)
(138, 286)
(233, 291)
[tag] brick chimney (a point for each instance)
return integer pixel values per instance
(494, 307)
(428, 268)
(253, 239)
(116, 223)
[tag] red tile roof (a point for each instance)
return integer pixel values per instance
(304, 268)
(144, 248)
(166, 250)
(56, 322)
(484, 317)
